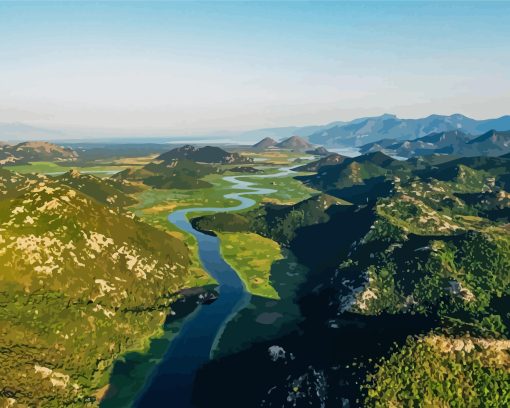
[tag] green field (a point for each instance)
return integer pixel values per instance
(51, 167)
(154, 205)
(252, 256)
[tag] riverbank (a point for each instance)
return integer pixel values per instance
(191, 348)
(131, 372)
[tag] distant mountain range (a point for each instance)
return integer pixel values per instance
(21, 131)
(455, 142)
(366, 130)
(356, 132)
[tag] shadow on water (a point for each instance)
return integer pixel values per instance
(130, 373)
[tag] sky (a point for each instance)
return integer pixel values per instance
(198, 67)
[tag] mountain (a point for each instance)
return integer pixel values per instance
(294, 143)
(207, 154)
(107, 191)
(329, 160)
(277, 133)
(402, 292)
(319, 151)
(21, 131)
(13, 184)
(81, 283)
(278, 222)
(26, 152)
(492, 143)
(349, 171)
(173, 173)
(455, 142)
(367, 130)
(264, 144)
(377, 146)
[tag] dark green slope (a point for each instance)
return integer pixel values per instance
(207, 154)
(359, 179)
(278, 222)
(109, 192)
(175, 173)
(456, 142)
(329, 160)
(426, 259)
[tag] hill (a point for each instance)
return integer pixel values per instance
(294, 143)
(492, 143)
(80, 284)
(367, 130)
(172, 173)
(319, 151)
(349, 171)
(26, 152)
(207, 154)
(408, 288)
(264, 144)
(329, 160)
(107, 191)
(278, 222)
(13, 184)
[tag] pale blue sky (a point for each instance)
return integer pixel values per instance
(194, 67)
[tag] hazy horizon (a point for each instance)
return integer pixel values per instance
(193, 68)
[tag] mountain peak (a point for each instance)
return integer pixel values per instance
(265, 143)
(295, 143)
(74, 173)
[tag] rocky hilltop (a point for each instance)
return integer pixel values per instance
(81, 282)
(26, 152)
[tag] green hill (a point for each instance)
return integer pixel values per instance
(278, 222)
(80, 284)
(109, 192)
(329, 160)
(350, 172)
(206, 154)
(406, 301)
(175, 173)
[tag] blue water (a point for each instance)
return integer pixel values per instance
(172, 383)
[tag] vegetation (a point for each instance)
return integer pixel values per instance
(45, 167)
(26, 152)
(180, 174)
(441, 371)
(206, 154)
(384, 282)
(81, 283)
(251, 256)
(424, 246)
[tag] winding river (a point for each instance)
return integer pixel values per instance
(172, 383)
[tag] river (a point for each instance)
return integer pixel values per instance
(171, 384)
